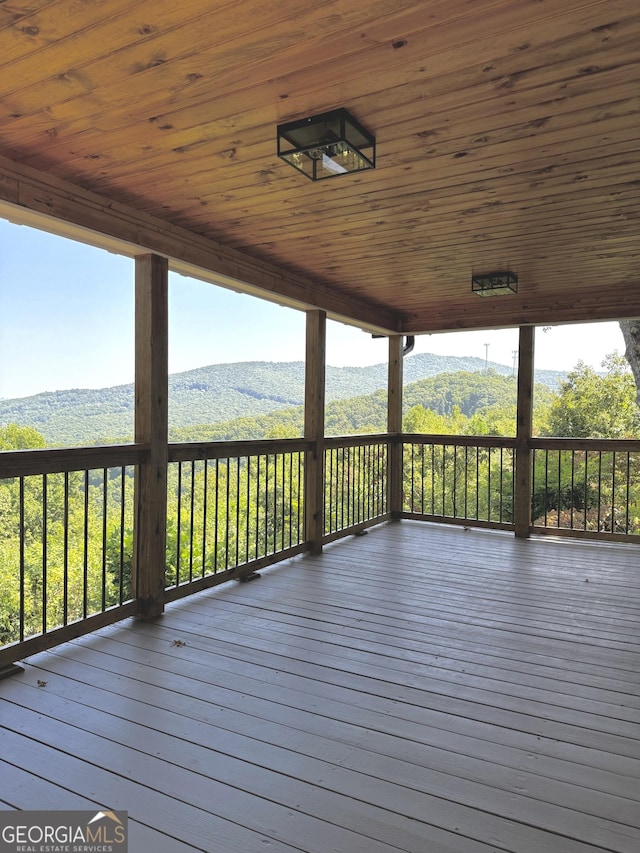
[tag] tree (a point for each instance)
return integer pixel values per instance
(595, 490)
(422, 420)
(593, 406)
(631, 334)
(14, 437)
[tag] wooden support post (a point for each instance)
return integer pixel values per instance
(314, 429)
(151, 429)
(394, 426)
(522, 497)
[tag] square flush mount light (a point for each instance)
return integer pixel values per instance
(327, 145)
(494, 283)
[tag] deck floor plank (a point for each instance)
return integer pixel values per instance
(454, 654)
(625, 705)
(353, 724)
(26, 788)
(421, 688)
(346, 666)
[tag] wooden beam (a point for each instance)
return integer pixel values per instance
(314, 400)
(151, 430)
(618, 301)
(394, 425)
(31, 197)
(522, 497)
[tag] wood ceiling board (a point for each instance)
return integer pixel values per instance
(238, 48)
(506, 154)
(445, 222)
(513, 310)
(525, 143)
(141, 37)
(242, 151)
(223, 45)
(208, 98)
(596, 195)
(182, 138)
(601, 203)
(506, 130)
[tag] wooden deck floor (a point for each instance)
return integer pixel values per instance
(422, 688)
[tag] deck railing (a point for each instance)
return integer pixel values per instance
(232, 508)
(459, 479)
(67, 563)
(355, 484)
(66, 545)
(588, 487)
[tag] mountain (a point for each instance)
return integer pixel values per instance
(443, 394)
(218, 393)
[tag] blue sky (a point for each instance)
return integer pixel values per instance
(66, 321)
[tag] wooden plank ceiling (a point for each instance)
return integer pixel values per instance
(508, 136)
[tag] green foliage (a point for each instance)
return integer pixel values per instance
(14, 437)
(462, 403)
(459, 482)
(238, 393)
(61, 533)
(590, 405)
(594, 406)
(230, 512)
(469, 392)
(589, 490)
(218, 515)
(496, 420)
(423, 420)
(562, 495)
(467, 404)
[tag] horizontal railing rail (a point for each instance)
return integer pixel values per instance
(233, 507)
(66, 542)
(586, 487)
(459, 479)
(355, 483)
(199, 450)
(25, 463)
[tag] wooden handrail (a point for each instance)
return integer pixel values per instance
(194, 451)
(625, 445)
(462, 440)
(25, 463)
(359, 440)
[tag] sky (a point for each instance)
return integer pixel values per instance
(66, 321)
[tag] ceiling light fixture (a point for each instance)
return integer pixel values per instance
(327, 145)
(494, 283)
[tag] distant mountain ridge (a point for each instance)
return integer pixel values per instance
(219, 392)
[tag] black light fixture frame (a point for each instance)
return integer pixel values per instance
(494, 283)
(327, 145)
